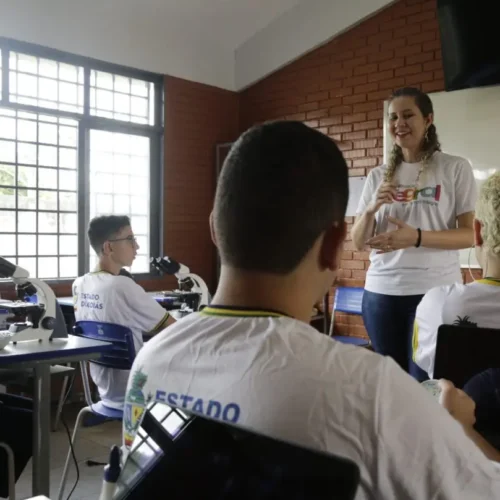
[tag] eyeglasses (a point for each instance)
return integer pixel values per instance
(131, 239)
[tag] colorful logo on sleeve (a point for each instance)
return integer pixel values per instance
(135, 403)
(429, 194)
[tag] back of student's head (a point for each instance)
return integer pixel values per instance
(282, 185)
(488, 213)
(104, 228)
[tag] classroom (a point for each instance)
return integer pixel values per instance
(249, 250)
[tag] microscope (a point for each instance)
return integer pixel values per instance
(192, 293)
(39, 319)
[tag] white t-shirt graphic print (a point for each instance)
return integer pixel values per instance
(282, 378)
(102, 296)
(446, 189)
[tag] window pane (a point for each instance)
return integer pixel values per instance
(26, 244)
(47, 200)
(47, 267)
(131, 100)
(7, 175)
(47, 245)
(68, 245)
(47, 133)
(47, 222)
(7, 197)
(26, 130)
(29, 264)
(26, 198)
(8, 244)
(67, 158)
(27, 177)
(68, 223)
(68, 267)
(7, 222)
(7, 151)
(26, 153)
(47, 155)
(113, 190)
(68, 202)
(7, 127)
(45, 83)
(26, 222)
(47, 178)
(67, 180)
(68, 136)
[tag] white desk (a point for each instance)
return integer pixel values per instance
(39, 356)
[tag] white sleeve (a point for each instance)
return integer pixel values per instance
(144, 312)
(428, 318)
(423, 452)
(465, 189)
(369, 189)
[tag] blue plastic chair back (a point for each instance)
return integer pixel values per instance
(348, 300)
(123, 353)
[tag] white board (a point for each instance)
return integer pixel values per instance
(468, 125)
(355, 189)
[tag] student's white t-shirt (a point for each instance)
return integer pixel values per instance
(282, 378)
(108, 298)
(475, 304)
(446, 190)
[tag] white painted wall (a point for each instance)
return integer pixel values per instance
(196, 39)
(299, 30)
(132, 38)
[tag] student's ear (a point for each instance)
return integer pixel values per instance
(212, 231)
(106, 248)
(478, 239)
(331, 247)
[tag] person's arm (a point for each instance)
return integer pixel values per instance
(462, 408)
(363, 229)
(144, 312)
(452, 239)
(423, 452)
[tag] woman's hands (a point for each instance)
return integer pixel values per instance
(404, 237)
(385, 194)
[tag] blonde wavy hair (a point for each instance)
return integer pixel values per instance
(488, 212)
(430, 144)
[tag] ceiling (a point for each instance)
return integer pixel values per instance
(226, 43)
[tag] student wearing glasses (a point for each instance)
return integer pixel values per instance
(108, 295)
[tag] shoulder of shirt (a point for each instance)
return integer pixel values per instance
(443, 292)
(451, 159)
(377, 171)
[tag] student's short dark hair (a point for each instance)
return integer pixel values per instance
(103, 228)
(281, 186)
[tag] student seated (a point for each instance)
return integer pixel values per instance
(110, 296)
(251, 357)
(476, 304)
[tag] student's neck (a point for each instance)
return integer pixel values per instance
(264, 291)
(411, 156)
(109, 267)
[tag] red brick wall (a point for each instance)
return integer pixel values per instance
(339, 89)
(197, 117)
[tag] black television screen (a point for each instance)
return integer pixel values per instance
(186, 457)
(469, 43)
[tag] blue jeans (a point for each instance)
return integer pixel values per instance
(389, 322)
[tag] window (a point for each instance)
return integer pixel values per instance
(78, 138)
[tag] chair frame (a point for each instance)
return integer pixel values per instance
(11, 469)
(127, 357)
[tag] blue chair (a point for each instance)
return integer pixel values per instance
(348, 300)
(120, 357)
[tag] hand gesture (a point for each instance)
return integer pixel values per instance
(404, 236)
(460, 406)
(386, 193)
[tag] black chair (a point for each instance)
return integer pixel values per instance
(463, 351)
(186, 456)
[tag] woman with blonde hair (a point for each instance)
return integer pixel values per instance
(415, 213)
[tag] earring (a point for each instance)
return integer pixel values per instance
(426, 136)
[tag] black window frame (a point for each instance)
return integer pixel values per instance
(88, 122)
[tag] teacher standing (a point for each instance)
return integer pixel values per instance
(415, 213)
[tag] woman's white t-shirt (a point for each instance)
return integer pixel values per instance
(446, 189)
